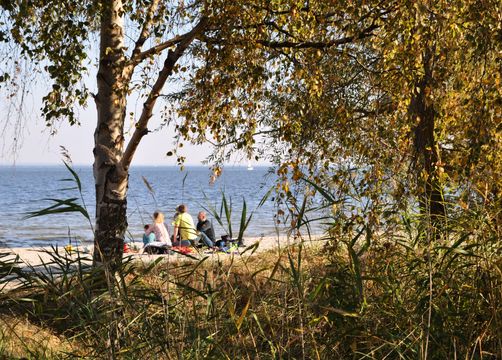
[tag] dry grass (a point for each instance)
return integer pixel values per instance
(299, 303)
(20, 338)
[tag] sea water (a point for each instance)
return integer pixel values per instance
(25, 188)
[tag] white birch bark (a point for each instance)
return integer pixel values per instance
(110, 178)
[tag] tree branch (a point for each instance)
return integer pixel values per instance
(240, 138)
(172, 57)
(145, 30)
(279, 29)
(318, 44)
(368, 31)
(139, 57)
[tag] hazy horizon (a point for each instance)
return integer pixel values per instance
(38, 147)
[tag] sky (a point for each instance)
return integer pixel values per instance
(38, 147)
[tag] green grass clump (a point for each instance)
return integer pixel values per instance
(305, 302)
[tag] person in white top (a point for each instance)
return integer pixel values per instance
(159, 229)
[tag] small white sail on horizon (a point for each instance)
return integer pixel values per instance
(250, 167)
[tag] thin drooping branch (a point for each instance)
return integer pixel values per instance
(367, 32)
(241, 139)
(279, 29)
(172, 57)
(318, 44)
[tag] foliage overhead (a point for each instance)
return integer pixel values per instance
(309, 84)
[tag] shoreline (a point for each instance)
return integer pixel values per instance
(37, 256)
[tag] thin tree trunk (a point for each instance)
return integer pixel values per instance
(426, 147)
(111, 179)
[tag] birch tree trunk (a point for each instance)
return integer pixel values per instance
(111, 179)
(111, 158)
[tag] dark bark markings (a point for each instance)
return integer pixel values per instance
(110, 177)
(421, 109)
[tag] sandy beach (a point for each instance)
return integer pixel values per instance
(36, 256)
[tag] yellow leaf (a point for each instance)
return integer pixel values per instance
(239, 321)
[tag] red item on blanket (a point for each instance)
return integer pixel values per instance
(182, 249)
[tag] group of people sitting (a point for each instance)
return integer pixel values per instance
(156, 239)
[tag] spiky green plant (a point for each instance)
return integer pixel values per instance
(224, 217)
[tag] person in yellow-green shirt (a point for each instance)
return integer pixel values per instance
(184, 225)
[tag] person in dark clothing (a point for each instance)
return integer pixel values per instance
(205, 226)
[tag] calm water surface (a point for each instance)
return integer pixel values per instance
(24, 188)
